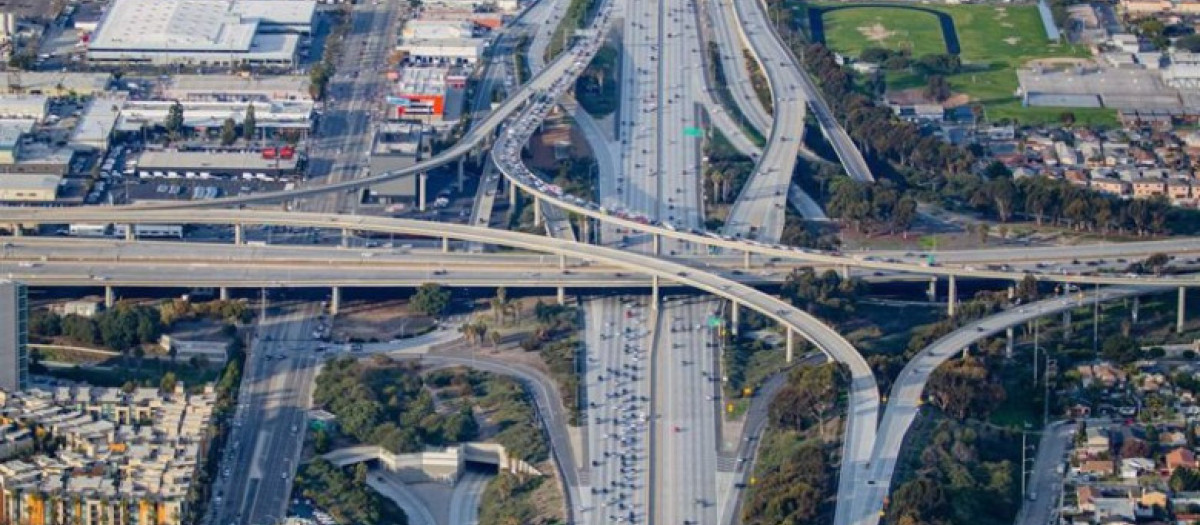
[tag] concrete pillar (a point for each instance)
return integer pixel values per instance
(845, 272)
(655, 241)
(654, 291)
(746, 259)
(1181, 309)
(223, 293)
(1012, 292)
(537, 211)
(335, 300)
(791, 345)
(1008, 348)
(422, 189)
(562, 295)
(951, 297)
(736, 316)
(512, 196)
(932, 293)
(345, 237)
(1067, 323)
(445, 245)
(562, 262)
(239, 234)
(110, 297)
(461, 169)
(130, 235)
(1137, 303)
(16, 230)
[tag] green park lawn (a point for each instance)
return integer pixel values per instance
(995, 41)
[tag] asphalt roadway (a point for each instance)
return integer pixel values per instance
(254, 484)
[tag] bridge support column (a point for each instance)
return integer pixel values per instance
(951, 297)
(335, 300)
(445, 245)
(110, 296)
(654, 292)
(791, 345)
(562, 295)
(1181, 309)
(512, 196)
(1067, 323)
(746, 260)
(422, 189)
(1137, 303)
(345, 237)
(845, 272)
(932, 293)
(1008, 348)
(562, 262)
(461, 170)
(130, 235)
(1012, 292)
(537, 211)
(735, 317)
(655, 241)
(239, 234)
(16, 230)
(223, 293)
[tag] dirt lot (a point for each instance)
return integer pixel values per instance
(379, 321)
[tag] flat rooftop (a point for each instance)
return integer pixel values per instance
(180, 25)
(422, 81)
(239, 84)
(211, 161)
(28, 8)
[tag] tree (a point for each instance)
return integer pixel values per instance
(1190, 43)
(167, 384)
(228, 132)
(174, 121)
(937, 88)
(1067, 118)
(1027, 288)
(431, 299)
(249, 124)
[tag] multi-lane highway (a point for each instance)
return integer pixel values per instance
(254, 484)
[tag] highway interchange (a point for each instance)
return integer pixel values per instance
(656, 360)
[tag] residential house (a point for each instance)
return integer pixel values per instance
(1116, 187)
(1133, 468)
(1097, 442)
(1180, 457)
(1144, 188)
(1097, 468)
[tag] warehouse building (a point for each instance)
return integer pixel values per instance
(272, 119)
(237, 88)
(202, 32)
(208, 164)
(442, 52)
(438, 29)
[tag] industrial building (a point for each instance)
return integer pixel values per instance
(438, 29)
(272, 119)
(23, 107)
(57, 83)
(238, 88)
(427, 94)
(1124, 88)
(14, 337)
(202, 32)
(442, 52)
(397, 146)
(208, 164)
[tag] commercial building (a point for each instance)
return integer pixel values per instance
(58, 83)
(14, 337)
(438, 29)
(29, 187)
(237, 88)
(23, 107)
(506, 6)
(207, 164)
(271, 119)
(128, 458)
(427, 94)
(442, 52)
(201, 32)
(397, 146)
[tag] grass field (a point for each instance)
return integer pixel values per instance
(995, 41)
(850, 31)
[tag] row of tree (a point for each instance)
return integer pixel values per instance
(826, 295)
(119, 329)
(871, 207)
(344, 494)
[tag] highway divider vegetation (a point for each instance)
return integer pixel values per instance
(598, 88)
(758, 80)
(512, 498)
(795, 478)
(576, 17)
(322, 72)
(344, 494)
(726, 171)
(721, 86)
(556, 340)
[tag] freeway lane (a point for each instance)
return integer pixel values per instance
(861, 502)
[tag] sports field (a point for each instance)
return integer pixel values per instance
(995, 40)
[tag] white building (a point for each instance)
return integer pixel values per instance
(202, 32)
(236, 88)
(437, 29)
(446, 52)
